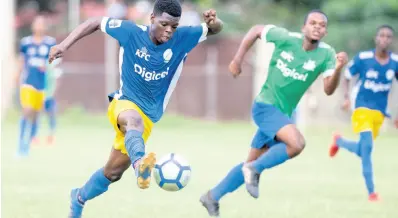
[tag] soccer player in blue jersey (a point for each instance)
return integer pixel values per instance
(52, 81)
(375, 70)
(150, 62)
(34, 53)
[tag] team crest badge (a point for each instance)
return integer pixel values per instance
(167, 55)
(390, 74)
(309, 65)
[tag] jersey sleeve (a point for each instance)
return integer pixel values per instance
(23, 44)
(394, 57)
(330, 63)
(352, 68)
(193, 35)
(118, 29)
(274, 34)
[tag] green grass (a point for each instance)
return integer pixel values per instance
(310, 186)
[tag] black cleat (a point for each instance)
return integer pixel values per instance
(252, 179)
(212, 206)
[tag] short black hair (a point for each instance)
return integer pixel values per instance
(171, 7)
(385, 26)
(314, 11)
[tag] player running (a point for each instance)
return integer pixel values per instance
(52, 82)
(376, 70)
(298, 59)
(34, 51)
(151, 60)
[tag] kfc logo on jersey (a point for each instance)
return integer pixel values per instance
(372, 74)
(287, 56)
(143, 53)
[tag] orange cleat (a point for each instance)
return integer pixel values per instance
(50, 139)
(35, 141)
(374, 197)
(333, 147)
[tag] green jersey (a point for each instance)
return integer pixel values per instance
(292, 70)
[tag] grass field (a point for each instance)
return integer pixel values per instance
(310, 186)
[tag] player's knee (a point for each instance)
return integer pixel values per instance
(113, 175)
(29, 113)
(297, 146)
(134, 123)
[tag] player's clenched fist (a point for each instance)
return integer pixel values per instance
(341, 60)
(56, 51)
(346, 105)
(235, 68)
(210, 16)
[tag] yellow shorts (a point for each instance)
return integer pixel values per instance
(31, 97)
(364, 119)
(115, 108)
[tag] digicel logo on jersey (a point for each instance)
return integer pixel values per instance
(149, 76)
(287, 72)
(376, 87)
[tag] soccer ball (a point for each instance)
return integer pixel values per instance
(172, 172)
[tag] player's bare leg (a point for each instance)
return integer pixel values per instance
(210, 202)
(292, 143)
(131, 124)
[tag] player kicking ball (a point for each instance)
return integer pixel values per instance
(375, 70)
(52, 82)
(151, 60)
(297, 61)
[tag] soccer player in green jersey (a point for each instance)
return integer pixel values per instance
(51, 83)
(297, 61)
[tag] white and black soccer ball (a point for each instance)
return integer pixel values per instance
(172, 172)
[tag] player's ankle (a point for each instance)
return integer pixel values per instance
(136, 163)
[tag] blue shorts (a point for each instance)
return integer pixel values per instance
(269, 120)
(49, 105)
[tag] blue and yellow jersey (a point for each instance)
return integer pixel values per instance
(374, 80)
(149, 72)
(35, 60)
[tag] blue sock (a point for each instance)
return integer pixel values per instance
(277, 154)
(230, 183)
(94, 187)
(349, 145)
(33, 130)
(23, 147)
(52, 123)
(366, 143)
(134, 145)
(22, 127)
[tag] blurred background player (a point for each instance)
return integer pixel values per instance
(52, 82)
(152, 58)
(376, 70)
(34, 51)
(297, 61)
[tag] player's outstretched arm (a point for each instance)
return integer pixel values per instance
(88, 27)
(214, 24)
(331, 82)
(247, 42)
